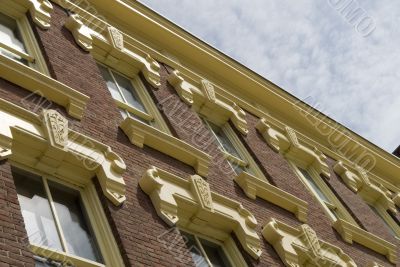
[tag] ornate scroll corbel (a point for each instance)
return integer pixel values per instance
(40, 12)
(181, 87)
(81, 32)
(151, 71)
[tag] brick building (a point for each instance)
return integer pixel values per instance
(126, 141)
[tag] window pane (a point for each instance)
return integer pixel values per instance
(36, 211)
(11, 36)
(78, 235)
(384, 220)
(224, 140)
(312, 183)
(195, 251)
(215, 254)
(112, 87)
(129, 92)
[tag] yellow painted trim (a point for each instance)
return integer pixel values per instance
(301, 246)
(44, 86)
(233, 82)
(47, 144)
(141, 134)
(254, 187)
(351, 233)
(112, 42)
(205, 102)
(189, 203)
(290, 147)
(63, 257)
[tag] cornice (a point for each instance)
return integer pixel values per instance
(351, 233)
(254, 187)
(142, 134)
(45, 143)
(148, 33)
(43, 86)
(301, 246)
(191, 204)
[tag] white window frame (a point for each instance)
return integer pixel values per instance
(247, 162)
(96, 218)
(153, 117)
(228, 246)
(34, 55)
(333, 207)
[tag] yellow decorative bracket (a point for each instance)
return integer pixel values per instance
(40, 12)
(190, 203)
(142, 134)
(351, 233)
(301, 246)
(56, 150)
(357, 180)
(206, 103)
(81, 33)
(289, 146)
(254, 187)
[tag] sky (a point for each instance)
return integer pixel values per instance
(341, 56)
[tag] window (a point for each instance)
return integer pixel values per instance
(205, 253)
(391, 222)
(57, 222)
(17, 40)
(332, 206)
(132, 98)
(234, 151)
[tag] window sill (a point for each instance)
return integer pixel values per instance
(350, 233)
(44, 86)
(142, 134)
(253, 187)
(63, 257)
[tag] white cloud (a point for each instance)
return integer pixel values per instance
(310, 49)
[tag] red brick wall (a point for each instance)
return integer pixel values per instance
(138, 229)
(14, 250)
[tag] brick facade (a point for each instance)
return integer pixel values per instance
(138, 229)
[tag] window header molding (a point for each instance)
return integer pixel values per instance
(205, 102)
(191, 204)
(57, 150)
(358, 181)
(351, 233)
(43, 86)
(301, 246)
(111, 41)
(253, 187)
(141, 134)
(287, 144)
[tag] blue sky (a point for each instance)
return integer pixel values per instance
(342, 56)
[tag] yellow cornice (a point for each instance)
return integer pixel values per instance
(150, 33)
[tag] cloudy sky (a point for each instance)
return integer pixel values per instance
(340, 55)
